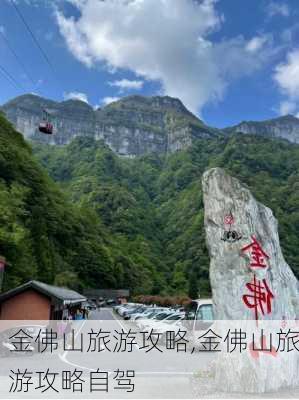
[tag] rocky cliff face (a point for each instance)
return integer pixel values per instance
(286, 127)
(132, 126)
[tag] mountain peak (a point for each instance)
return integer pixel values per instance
(29, 100)
(285, 127)
(281, 118)
(161, 102)
(131, 126)
(75, 103)
(288, 117)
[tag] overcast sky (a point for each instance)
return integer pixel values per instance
(227, 60)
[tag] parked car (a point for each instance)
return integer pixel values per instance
(200, 313)
(170, 323)
(136, 310)
(199, 318)
(149, 311)
(126, 307)
(164, 316)
(142, 319)
(118, 308)
(110, 302)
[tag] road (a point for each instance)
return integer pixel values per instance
(104, 314)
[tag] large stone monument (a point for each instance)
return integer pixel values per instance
(250, 280)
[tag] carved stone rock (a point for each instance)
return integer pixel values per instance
(230, 207)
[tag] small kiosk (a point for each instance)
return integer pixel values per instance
(36, 300)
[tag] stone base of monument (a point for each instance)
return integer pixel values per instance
(246, 381)
(243, 374)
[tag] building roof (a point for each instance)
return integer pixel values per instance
(67, 296)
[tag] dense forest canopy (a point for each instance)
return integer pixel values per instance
(45, 236)
(101, 220)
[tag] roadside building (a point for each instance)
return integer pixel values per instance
(117, 295)
(39, 301)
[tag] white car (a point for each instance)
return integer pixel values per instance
(173, 323)
(199, 318)
(120, 307)
(126, 307)
(135, 310)
(152, 318)
(151, 311)
(162, 320)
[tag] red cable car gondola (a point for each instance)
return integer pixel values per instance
(45, 126)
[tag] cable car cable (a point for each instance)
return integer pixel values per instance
(46, 58)
(17, 57)
(10, 78)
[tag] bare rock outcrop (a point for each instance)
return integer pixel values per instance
(285, 127)
(132, 126)
(250, 280)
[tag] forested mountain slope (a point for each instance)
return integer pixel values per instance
(109, 221)
(45, 236)
(154, 203)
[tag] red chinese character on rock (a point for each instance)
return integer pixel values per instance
(258, 255)
(261, 296)
(229, 219)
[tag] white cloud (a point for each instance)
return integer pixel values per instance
(256, 43)
(287, 107)
(286, 76)
(75, 96)
(277, 8)
(126, 84)
(2, 29)
(108, 100)
(162, 40)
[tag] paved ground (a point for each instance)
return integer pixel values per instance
(103, 314)
(153, 363)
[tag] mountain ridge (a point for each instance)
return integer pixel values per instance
(134, 125)
(284, 127)
(131, 126)
(104, 220)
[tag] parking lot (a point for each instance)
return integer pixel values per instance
(157, 373)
